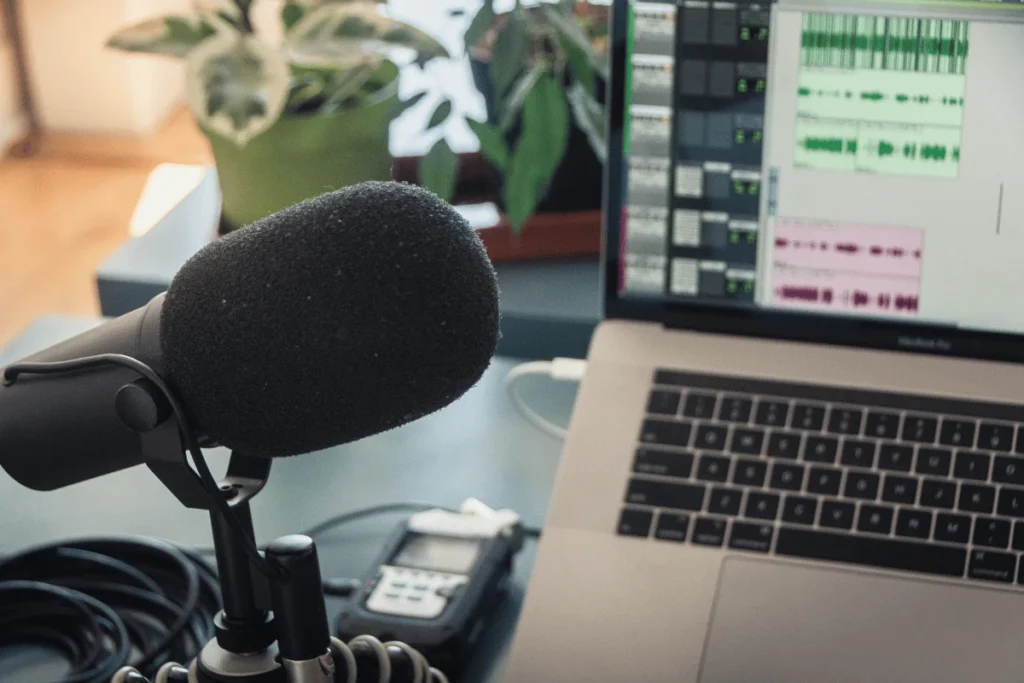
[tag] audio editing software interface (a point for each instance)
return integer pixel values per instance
(863, 158)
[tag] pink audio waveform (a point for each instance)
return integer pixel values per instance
(849, 246)
(847, 267)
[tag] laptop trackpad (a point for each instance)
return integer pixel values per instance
(778, 623)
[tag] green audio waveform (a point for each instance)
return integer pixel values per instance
(889, 43)
(883, 148)
(876, 96)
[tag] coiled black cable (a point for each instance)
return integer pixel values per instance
(105, 603)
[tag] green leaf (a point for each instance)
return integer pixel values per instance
(291, 14)
(440, 114)
(408, 104)
(237, 86)
(481, 24)
(514, 104)
(508, 57)
(439, 169)
(492, 143)
(569, 29)
(590, 118)
(171, 35)
(580, 65)
(539, 151)
(341, 34)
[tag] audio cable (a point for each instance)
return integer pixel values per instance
(105, 603)
(559, 369)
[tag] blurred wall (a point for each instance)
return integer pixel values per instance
(79, 84)
(12, 119)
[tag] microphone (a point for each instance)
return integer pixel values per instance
(341, 317)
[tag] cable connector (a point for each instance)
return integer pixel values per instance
(559, 369)
(568, 369)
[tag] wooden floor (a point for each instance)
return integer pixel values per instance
(64, 209)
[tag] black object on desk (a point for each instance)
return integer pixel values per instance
(477, 447)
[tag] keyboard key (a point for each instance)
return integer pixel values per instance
(1018, 446)
(725, 501)
(837, 514)
(882, 425)
(824, 480)
(935, 461)
(938, 494)
(809, 417)
(957, 433)
(784, 445)
(663, 402)
(977, 498)
(875, 552)
(989, 566)
(787, 477)
(665, 494)
(899, 490)
(991, 533)
(1011, 502)
(672, 526)
(635, 522)
(861, 485)
(845, 420)
(971, 465)
(993, 436)
(859, 453)
(749, 472)
(713, 468)
(699, 405)
(820, 449)
(762, 505)
(1018, 536)
(771, 413)
(735, 409)
(799, 510)
(708, 531)
(895, 457)
(664, 463)
(711, 437)
(747, 536)
(1008, 470)
(920, 429)
(914, 523)
(666, 432)
(952, 528)
(875, 519)
(747, 441)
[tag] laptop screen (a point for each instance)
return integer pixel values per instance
(815, 169)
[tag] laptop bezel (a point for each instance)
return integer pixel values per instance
(757, 322)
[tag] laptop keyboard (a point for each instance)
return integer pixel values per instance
(907, 483)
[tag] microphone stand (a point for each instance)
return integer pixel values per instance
(269, 631)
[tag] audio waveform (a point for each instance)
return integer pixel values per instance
(856, 298)
(851, 248)
(882, 148)
(847, 267)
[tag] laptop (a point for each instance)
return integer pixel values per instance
(797, 455)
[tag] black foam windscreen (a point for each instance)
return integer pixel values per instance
(346, 315)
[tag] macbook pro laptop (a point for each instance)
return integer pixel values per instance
(797, 455)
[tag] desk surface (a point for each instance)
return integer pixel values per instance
(477, 447)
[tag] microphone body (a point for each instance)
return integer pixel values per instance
(58, 430)
(341, 317)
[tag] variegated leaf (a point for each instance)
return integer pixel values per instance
(238, 86)
(340, 34)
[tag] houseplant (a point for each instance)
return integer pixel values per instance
(293, 117)
(542, 72)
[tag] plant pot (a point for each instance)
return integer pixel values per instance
(303, 156)
(577, 183)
